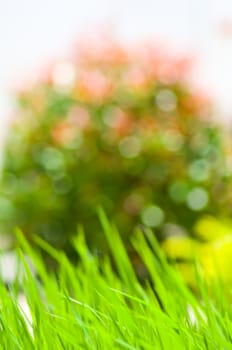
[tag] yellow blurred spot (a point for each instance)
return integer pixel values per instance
(210, 228)
(181, 247)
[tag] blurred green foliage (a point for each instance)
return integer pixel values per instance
(117, 127)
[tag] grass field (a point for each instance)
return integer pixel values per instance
(94, 306)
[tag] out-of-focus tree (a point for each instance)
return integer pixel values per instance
(118, 127)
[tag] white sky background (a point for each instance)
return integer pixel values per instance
(35, 31)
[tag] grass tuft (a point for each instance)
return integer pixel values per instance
(93, 306)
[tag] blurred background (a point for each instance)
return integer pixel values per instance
(187, 172)
(34, 32)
